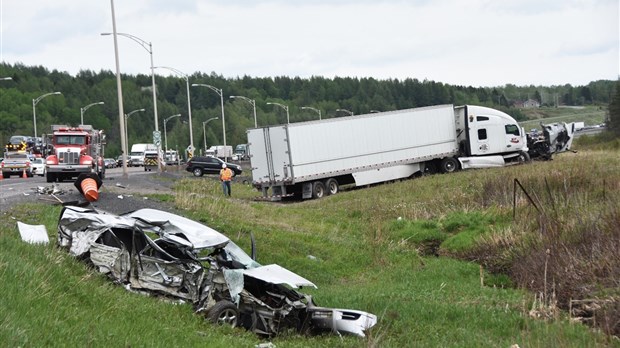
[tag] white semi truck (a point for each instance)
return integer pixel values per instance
(315, 158)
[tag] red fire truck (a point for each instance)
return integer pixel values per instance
(74, 150)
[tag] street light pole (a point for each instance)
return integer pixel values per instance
(165, 136)
(347, 111)
(34, 110)
(285, 107)
(221, 94)
(82, 110)
(149, 48)
(189, 105)
(204, 131)
(313, 109)
(126, 149)
(251, 101)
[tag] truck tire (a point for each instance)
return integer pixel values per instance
(224, 313)
(331, 185)
(50, 177)
(318, 189)
(524, 157)
(197, 171)
(449, 165)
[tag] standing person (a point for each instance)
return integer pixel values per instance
(226, 177)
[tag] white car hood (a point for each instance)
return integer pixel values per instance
(277, 274)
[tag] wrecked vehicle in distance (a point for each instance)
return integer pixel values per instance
(166, 254)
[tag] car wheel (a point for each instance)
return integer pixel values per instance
(197, 172)
(224, 313)
(332, 186)
(318, 189)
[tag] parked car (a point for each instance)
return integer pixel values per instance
(109, 163)
(161, 253)
(38, 166)
(201, 165)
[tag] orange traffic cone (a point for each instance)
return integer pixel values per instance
(88, 184)
(24, 175)
(1, 175)
(89, 187)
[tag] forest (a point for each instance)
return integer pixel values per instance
(27, 93)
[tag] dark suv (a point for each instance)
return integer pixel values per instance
(201, 165)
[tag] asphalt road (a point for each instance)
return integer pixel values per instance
(117, 194)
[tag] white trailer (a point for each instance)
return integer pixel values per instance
(220, 151)
(316, 158)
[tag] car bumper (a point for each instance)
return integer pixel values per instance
(69, 169)
(16, 170)
(347, 321)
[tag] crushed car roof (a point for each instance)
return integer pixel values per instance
(199, 235)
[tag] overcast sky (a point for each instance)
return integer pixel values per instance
(459, 42)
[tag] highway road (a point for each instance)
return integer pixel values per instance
(17, 189)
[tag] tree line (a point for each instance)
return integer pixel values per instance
(335, 97)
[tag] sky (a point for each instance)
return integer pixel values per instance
(480, 43)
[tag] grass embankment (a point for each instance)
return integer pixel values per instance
(372, 249)
(590, 115)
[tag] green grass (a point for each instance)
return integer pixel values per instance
(362, 247)
(590, 115)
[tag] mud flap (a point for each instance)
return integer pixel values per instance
(306, 192)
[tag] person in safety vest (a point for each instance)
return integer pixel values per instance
(226, 177)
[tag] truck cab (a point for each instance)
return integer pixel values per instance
(488, 137)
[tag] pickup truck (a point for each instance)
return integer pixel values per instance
(16, 164)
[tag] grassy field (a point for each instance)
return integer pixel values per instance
(590, 115)
(439, 259)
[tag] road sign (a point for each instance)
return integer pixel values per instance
(157, 138)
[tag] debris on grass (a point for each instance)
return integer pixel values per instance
(33, 234)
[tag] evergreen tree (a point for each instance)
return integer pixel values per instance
(614, 112)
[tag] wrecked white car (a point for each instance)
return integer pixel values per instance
(166, 254)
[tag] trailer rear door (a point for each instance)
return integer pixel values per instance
(270, 155)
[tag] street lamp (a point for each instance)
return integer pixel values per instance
(34, 110)
(221, 94)
(251, 101)
(204, 131)
(285, 107)
(149, 48)
(82, 110)
(347, 111)
(165, 136)
(126, 149)
(189, 105)
(313, 109)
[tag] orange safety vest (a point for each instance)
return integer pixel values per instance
(226, 174)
